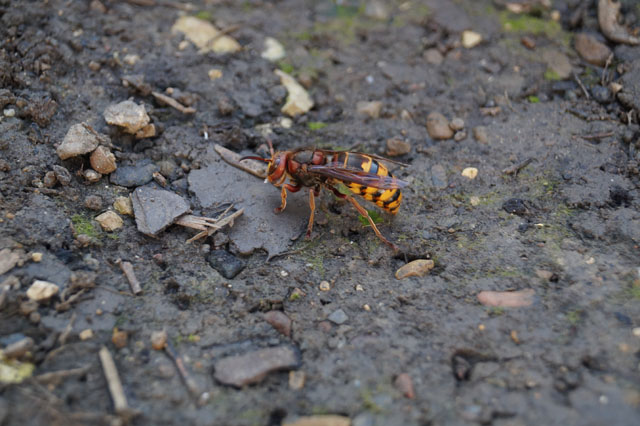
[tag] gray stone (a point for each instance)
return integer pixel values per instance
(252, 367)
(338, 317)
(131, 176)
(225, 263)
(156, 209)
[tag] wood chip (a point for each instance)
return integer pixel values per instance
(254, 167)
(113, 380)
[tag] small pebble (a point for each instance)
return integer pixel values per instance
(86, 334)
(397, 147)
(480, 134)
(338, 317)
(470, 172)
(591, 50)
(416, 268)
(94, 66)
(9, 112)
(438, 126)
(62, 175)
(273, 50)
(123, 206)
(92, 176)
(296, 379)
(280, 321)
(36, 256)
(49, 180)
(460, 135)
(359, 287)
(110, 221)
(433, 56)
(102, 160)
(253, 367)
(366, 307)
(80, 139)
(471, 39)
(507, 299)
(147, 131)
(159, 340)
(636, 331)
(119, 338)
(601, 94)
(404, 384)
(42, 291)
(457, 124)
(370, 108)
(215, 73)
(474, 200)
(93, 202)
(128, 115)
(325, 286)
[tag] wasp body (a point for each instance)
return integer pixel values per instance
(362, 174)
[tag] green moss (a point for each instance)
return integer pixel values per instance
(368, 402)
(533, 99)
(294, 297)
(204, 15)
(83, 225)
(286, 67)
(528, 24)
(574, 317)
(551, 75)
(495, 311)
(316, 125)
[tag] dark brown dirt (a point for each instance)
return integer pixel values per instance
(555, 208)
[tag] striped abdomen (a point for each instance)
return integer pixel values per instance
(388, 199)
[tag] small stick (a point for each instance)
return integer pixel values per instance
(67, 330)
(55, 377)
(604, 70)
(113, 380)
(207, 225)
(191, 384)
(173, 103)
(595, 136)
(515, 169)
(127, 268)
(584, 89)
(222, 33)
(250, 166)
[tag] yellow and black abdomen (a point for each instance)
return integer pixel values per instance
(387, 199)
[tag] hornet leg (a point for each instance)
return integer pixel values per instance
(283, 195)
(312, 206)
(365, 213)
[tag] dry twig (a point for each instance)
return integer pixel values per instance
(515, 169)
(114, 383)
(173, 103)
(207, 225)
(55, 377)
(250, 166)
(127, 268)
(584, 89)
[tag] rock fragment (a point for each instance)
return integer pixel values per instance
(102, 160)
(80, 139)
(123, 206)
(159, 340)
(591, 50)
(397, 147)
(8, 260)
(273, 50)
(204, 35)
(298, 99)
(338, 317)
(110, 221)
(433, 56)
(93, 202)
(91, 176)
(470, 173)
(416, 268)
(320, 420)
(62, 175)
(131, 176)
(156, 209)
(507, 299)
(404, 384)
(86, 334)
(128, 115)
(471, 39)
(456, 124)
(253, 367)
(480, 134)
(42, 291)
(226, 263)
(369, 108)
(280, 321)
(438, 126)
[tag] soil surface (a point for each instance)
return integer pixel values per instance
(529, 209)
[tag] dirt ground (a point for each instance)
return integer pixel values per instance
(530, 314)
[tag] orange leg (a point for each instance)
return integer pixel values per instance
(312, 206)
(283, 195)
(365, 213)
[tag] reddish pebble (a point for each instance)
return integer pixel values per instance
(119, 338)
(405, 385)
(280, 321)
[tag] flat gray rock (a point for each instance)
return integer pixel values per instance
(156, 209)
(252, 367)
(258, 227)
(131, 176)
